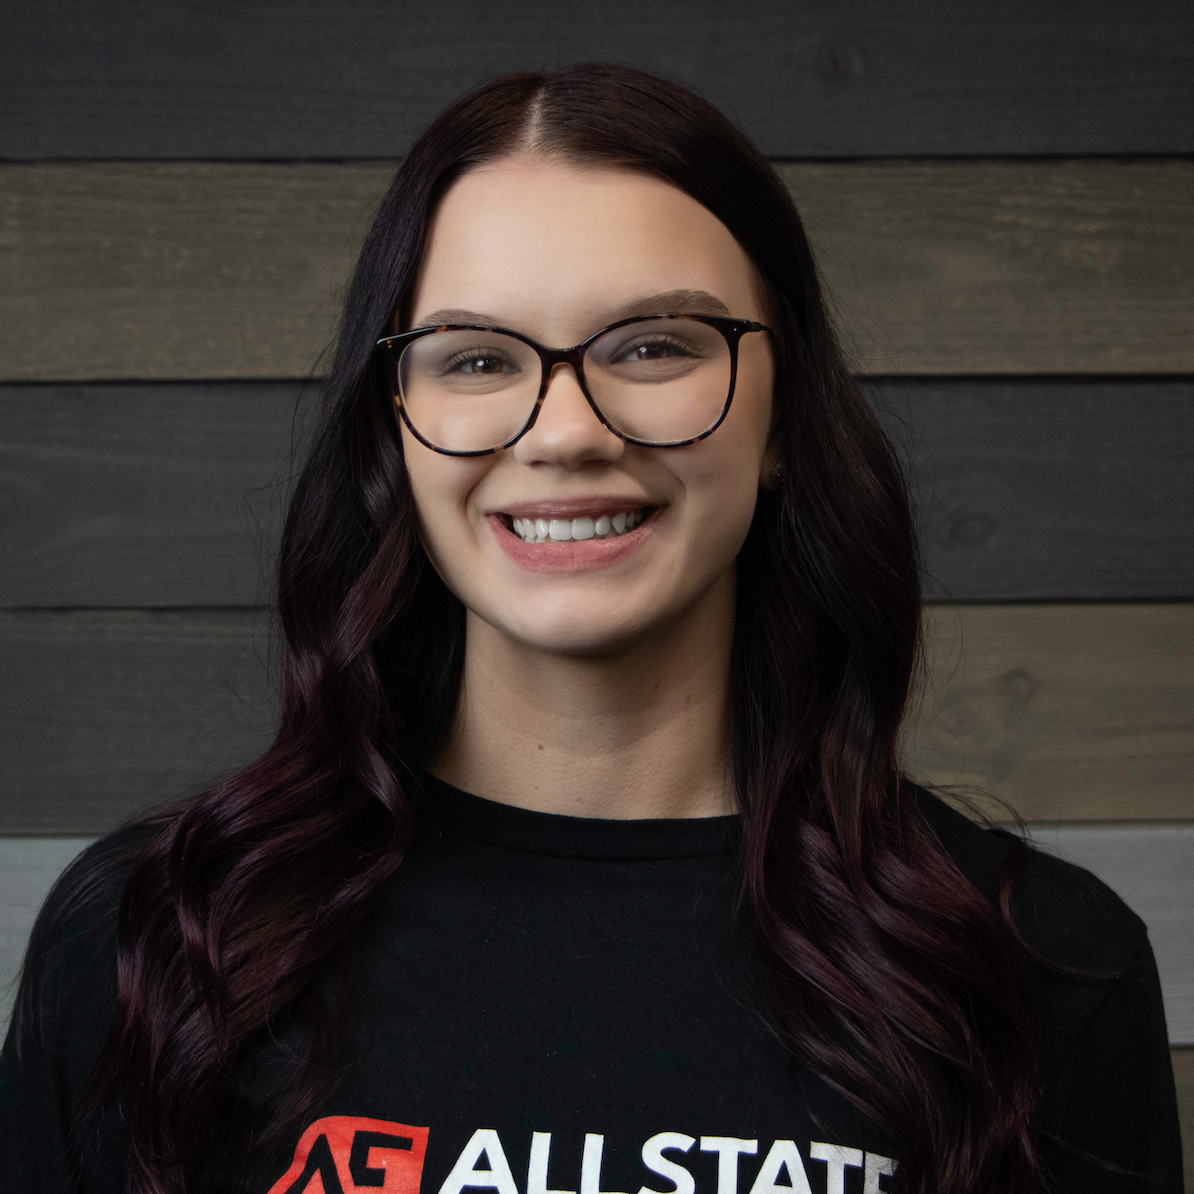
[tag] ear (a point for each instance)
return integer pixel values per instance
(769, 466)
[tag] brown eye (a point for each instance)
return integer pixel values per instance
(478, 363)
(483, 365)
(652, 350)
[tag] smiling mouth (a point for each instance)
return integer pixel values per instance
(570, 530)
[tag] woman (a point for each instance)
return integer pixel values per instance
(582, 860)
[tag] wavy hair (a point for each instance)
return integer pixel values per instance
(888, 974)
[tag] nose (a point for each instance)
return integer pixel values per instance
(567, 432)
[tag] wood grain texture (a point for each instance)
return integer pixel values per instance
(170, 494)
(1072, 712)
(121, 271)
(1069, 712)
(160, 494)
(1049, 489)
(1007, 267)
(195, 271)
(105, 713)
(360, 78)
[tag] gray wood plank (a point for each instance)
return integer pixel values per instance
(120, 271)
(1068, 712)
(105, 713)
(170, 494)
(1006, 267)
(1049, 489)
(125, 495)
(361, 78)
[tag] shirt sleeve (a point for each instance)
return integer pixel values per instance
(1110, 1109)
(67, 994)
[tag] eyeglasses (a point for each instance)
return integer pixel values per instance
(660, 381)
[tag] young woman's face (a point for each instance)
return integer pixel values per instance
(557, 252)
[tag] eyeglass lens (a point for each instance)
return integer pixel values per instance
(658, 380)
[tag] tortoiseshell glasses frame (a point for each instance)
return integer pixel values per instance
(732, 330)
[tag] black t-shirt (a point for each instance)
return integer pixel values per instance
(556, 1004)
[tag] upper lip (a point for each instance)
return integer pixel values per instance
(577, 507)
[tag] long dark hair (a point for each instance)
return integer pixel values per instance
(888, 974)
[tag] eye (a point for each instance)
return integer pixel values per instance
(653, 348)
(479, 362)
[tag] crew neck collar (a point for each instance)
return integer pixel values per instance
(508, 827)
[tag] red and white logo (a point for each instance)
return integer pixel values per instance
(343, 1153)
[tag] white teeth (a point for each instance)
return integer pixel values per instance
(560, 530)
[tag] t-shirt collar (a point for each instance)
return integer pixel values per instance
(511, 828)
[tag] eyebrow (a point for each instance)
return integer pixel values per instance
(670, 302)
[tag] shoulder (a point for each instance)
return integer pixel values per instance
(1090, 965)
(68, 978)
(1062, 911)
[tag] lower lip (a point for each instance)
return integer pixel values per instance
(571, 554)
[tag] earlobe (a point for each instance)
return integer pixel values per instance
(771, 472)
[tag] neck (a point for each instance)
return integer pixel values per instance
(639, 732)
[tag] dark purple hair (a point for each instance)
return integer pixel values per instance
(888, 973)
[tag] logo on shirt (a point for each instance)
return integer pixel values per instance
(343, 1153)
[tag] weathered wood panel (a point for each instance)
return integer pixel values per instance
(202, 271)
(196, 271)
(1049, 489)
(170, 494)
(361, 78)
(1070, 712)
(161, 494)
(102, 714)
(1008, 267)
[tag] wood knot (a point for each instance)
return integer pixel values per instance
(1019, 685)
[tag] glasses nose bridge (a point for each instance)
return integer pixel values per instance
(551, 357)
(574, 356)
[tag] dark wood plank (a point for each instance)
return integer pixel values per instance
(1070, 712)
(122, 271)
(361, 78)
(126, 495)
(170, 494)
(1049, 489)
(103, 713)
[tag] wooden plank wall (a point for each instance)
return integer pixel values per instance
(1002, 202)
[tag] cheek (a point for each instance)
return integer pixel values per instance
(724, 478)
(441, 486)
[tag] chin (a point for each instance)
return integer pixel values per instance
(571, 634)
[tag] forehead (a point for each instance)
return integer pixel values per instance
(552, 248)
